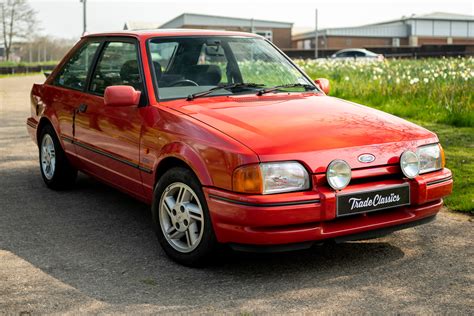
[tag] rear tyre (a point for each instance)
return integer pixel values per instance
(57, 172)
(181, 218)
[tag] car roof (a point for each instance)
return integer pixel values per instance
(144, 34)
(354, 50)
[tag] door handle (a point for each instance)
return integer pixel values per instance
(82, 108)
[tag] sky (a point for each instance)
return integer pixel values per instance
(63, 18)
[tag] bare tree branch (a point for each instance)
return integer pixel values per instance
(18, 21)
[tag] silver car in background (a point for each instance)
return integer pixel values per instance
(357, 53)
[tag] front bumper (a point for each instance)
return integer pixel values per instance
(310, 216)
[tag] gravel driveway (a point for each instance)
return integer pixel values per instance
(92, 250)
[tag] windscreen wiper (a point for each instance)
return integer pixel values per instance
(224, 86)
(307, 87)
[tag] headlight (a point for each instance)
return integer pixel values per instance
(431, 158)
(410, 164)
(284, 177)
(338, 174)
(273, 177)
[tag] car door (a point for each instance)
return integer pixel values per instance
(107, 139)
(67, 87)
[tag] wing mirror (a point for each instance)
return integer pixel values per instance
(121, 96)
(323, 84)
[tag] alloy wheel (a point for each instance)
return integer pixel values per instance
(48, 157)
(181, 217)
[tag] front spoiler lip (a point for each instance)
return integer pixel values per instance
(376, 233)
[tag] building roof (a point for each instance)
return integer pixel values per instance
(191, 19)
(442, 16)
(396, 29)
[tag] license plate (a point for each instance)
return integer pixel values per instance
(373, 200)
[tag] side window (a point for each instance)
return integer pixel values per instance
(349, 54)
(117, 65)
(74, 73)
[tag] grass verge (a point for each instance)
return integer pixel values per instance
(458, 144)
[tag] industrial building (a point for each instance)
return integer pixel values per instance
(277, 32)
(417, 30)
(428, 35)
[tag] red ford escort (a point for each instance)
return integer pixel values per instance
(231, 143)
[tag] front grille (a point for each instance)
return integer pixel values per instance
(395, 176)
(368, 175)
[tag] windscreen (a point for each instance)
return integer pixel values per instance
(188, 65)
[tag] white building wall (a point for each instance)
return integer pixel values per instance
(376, 30)
(435, 28)
(459, 29)
(423, 28)
(442, 28)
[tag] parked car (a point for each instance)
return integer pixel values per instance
(358, 53)
(231, 144)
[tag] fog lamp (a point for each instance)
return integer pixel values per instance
(338, 174)
(410, 164)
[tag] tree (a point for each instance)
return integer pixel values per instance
(44, 48)
(17, 22)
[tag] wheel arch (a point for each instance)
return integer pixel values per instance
(53, 122)
(168, 163)
(41, 124)
(179, 155)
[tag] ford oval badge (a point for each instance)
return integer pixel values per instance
(366, 158)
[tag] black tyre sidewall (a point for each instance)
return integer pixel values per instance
(199, 256)
(64, 174)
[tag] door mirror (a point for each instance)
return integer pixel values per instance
(121, 96)
(323, 84)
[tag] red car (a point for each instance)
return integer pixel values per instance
(231, 143)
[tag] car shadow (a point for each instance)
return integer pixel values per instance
(100, 241)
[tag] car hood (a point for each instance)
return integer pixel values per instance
(311, 128)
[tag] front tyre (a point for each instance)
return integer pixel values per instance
(55, 169)
(181, 218)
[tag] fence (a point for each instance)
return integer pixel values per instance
(9, 70)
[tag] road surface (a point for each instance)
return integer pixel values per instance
(92, 250)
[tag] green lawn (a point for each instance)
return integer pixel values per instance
(435, 93)
(458, 144)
